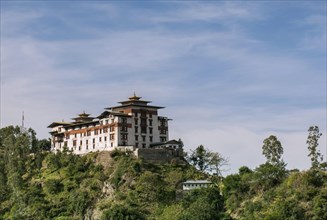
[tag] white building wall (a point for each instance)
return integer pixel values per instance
(103, 140)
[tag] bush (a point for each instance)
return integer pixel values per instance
(120, 212)
(53, 186)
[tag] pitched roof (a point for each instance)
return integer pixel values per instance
(105, 113)
(55, 124)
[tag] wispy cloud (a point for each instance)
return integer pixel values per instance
(206, 61)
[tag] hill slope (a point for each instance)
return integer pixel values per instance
(36, 184)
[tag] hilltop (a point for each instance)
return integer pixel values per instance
(37, 184)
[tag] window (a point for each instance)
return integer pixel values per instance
(143, 145)
(162, 139)
(99, 139)
(136, 144)
(143, 138)
(136, 129)
(150, 122)
(150, 130)
(143, 130)
(162, 122)
(136, 121)
(67, 136)
(151, 138)
(136, 137)
(87, 141)
(112, 136)
(93, 146)
(74, 143)
(112, 128)
(81, 142)
(88, 133)
(123, 129)
(143, 114)
(80, 134)
(105, 130)
(96, 131)
(124, 136)
(105, 139)
(93, 140)
(150, 115)
(124, 120)
(135, 114)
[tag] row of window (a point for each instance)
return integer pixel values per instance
(143, 114)
(96, 132)
(143, 130)
(137, 145)
(106, 122)
(122, 129)
(143, 121)
(123, 137)
(143, 138)
(80, 146)
(93, 140)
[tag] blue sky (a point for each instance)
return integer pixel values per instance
(230, 73)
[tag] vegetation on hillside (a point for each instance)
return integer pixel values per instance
(38, 184)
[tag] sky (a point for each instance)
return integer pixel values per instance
(230, 73)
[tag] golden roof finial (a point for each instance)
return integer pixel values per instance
(134, 97)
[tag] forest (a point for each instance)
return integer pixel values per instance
(38, 184)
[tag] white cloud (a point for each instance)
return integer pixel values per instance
(208, 12)
(224, 89)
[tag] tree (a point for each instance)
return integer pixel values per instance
(204, 204)
(200, 158)
(121, 212)
(272, 149)
(312, 142)
(15, 145)
(206, 160)
(217, 161)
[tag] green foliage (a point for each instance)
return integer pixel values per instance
(272, 149)
(172, 212)
(312, 142)
(118, 212)
(274, 195)
(206, 160)
(36, 184)
(205, 203)
(268, 175)
(150, 188)
(53, 186)
(200, 158)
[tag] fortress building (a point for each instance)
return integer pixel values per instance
(134, 124)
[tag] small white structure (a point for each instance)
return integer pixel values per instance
(196, 184)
